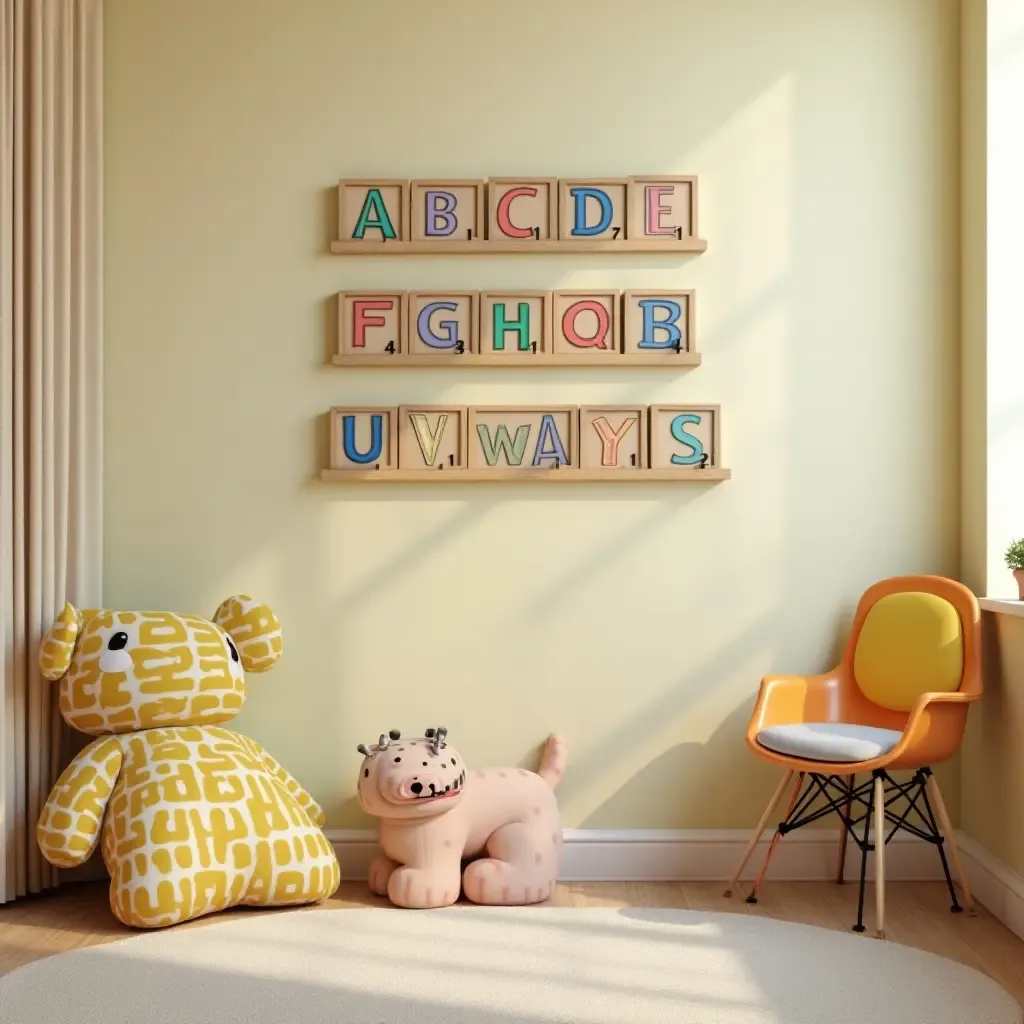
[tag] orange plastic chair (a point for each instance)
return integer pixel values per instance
(897, 701)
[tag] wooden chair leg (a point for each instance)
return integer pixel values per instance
(844, 832)
(761, 825)
(752, 898)
(950, 837)
(879, 857)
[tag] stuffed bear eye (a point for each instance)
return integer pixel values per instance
(118, 642)
(234, 653)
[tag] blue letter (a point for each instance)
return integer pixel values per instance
(683, 437)
(549, 432)
(580, 216)
(427, 336)
(376, 439)
(651, 324)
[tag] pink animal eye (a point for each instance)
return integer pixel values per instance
(453, 761)
(366, 773)
(397, 759)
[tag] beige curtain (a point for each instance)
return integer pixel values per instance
(51, 415)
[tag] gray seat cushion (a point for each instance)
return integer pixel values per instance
(829, 741)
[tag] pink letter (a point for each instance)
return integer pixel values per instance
(360, 321)
(610, 438)
(569, 324)
(502, 214)
(655, 209)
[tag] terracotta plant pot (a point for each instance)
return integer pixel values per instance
(1018, 575)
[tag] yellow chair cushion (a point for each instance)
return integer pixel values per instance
(910, 643)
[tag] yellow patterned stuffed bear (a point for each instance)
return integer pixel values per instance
(194, 818)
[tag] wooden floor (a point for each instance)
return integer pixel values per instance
(917, 914)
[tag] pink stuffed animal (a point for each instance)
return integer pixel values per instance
(433, 813)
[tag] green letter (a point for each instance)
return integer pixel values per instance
(503, 443)
(520, 326)
(374, 204)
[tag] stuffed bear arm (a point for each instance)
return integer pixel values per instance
(305, 801)
(69, 825)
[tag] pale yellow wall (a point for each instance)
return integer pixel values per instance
(635, 620)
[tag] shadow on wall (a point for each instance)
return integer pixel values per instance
(672, 770)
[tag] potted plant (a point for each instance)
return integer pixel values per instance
(1015, 561)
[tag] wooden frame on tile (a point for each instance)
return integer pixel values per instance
(608, 302)
(412, 439)
(544, 207)
(469, 199)
(589, 446)
(553, 230)
(388, 349)
(540, 345)
(553, 350)
(349, 210)
(468, 342)
(477, 458)
(389, 440)
(631, 329)
(637, 212)
(659, 445)
(615, 190)
(477, 469)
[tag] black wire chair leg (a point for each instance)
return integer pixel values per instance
(940, 843)
(844, 829)
(864, 847)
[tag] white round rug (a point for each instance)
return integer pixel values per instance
(474, 965)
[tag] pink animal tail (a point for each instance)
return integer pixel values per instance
(552, 762)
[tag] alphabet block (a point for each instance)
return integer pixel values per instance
(662, 207)
(432, 437)
(443, 323)
(515, 325)
(613, 437)
(658, 322)
(373, 211)
(592, 209)
(363, 439)
(522, 437)
(685, 436)
(447, 211)
(522, 208)
(371, 323)
(586, 322)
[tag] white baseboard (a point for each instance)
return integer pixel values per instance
(592, 855)
(994, 885)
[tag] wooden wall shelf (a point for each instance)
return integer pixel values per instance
(543, 360)
(547, 476)
(508, 246)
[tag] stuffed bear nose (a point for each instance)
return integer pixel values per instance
(417, 788)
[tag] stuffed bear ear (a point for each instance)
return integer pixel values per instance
(254, 630)
(59, 643)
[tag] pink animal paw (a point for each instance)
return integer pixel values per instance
(481, 882)
(381, 871)
(421, 890)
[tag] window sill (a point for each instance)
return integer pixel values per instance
(1002, 606)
